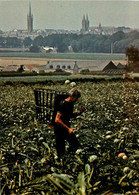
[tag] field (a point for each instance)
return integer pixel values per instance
(75, 56)
(20, 58)
(54, 79)
(107, 129)
(6, 61)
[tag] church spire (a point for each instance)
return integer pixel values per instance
(30, 20)
(85, 23)
(87, 17)
(29, 9)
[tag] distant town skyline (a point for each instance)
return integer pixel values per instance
(68, 15)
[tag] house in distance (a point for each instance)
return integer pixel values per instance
(69, 66)
(62, 65)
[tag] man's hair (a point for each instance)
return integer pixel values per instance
(75, 93)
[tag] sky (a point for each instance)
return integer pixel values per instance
(68, 14)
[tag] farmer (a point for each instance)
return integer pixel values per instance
(62, 128)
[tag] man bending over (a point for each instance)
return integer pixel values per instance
(62, 128)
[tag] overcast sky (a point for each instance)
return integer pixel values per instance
(67, 14)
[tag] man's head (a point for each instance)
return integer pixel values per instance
(74, 94)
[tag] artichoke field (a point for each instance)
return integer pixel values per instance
(107, 161)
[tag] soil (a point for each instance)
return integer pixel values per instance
(6, 61)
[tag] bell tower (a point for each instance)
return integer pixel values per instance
(30, 20)
(85, 24)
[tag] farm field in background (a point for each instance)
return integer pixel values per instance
(55, 78)
(108, 127)
(18, 58)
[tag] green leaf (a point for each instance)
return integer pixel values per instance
(81, 183)
(33, 149)
(87, 169)
(57, 184)
(64, 179)
(47, 147)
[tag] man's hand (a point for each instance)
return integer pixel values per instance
(71, 130)
(82, 109)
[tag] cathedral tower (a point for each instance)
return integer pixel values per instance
(85, 23)
(30, 20)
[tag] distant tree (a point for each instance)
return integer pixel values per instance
(74, 45)
(12, 42)
(99, 45)
(133, 35)
(107, 45)
(34, 49)
(132, 53)
(2, 41)
(49, 41)
(27, 42)
(136, 43)
(117, 36)
(133, 57)
(38, 41)
(120, 46)
(62, 47)
(84, 43)
(84, 71)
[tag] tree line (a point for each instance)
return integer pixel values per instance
(132, 53)
(91, 43)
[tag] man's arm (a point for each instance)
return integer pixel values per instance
(82, 109)
(59, 121)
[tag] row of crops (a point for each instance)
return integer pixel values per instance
(107, 160)
(76, 56)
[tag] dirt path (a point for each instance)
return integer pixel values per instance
(6, 61)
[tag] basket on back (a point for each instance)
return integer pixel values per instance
(46, 104)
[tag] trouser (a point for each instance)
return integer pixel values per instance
(61, 134)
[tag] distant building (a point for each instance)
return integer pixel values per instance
(123, 29)
(48, 49)
(10, 68)
(66, 66)
(30, 20)
(85, 24)
(28, 68)
(107, 30)
(71, 66)
(101, 66)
